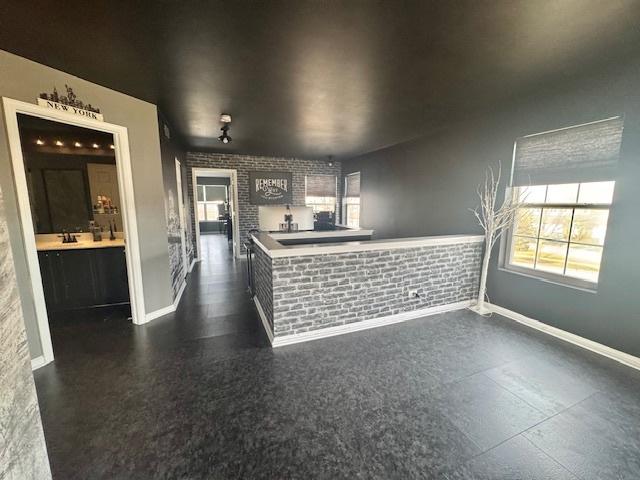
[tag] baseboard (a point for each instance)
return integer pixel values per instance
(612, 353)
(367, 324)
(159, 313)
(176, 302)
(169, 308)
(38, 362)
(263, 318)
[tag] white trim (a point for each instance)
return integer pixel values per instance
(235, 211)
(160, 313)
(193, 263)
(38, 362)
(263, 318)
(169, 309)
(176, 302)
(125, 183)
(617, 355)
(367, 324)
(361, 246)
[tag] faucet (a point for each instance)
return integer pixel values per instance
(67, 237)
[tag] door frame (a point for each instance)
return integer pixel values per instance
(129, 219)
(235, 214)
(183, 233)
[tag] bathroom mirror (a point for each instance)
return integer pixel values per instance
(71, 176)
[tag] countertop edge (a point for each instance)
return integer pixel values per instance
(279, 251)
(84, 246)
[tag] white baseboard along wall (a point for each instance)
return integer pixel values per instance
(612, 353)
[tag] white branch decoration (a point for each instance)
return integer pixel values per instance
(494, 220)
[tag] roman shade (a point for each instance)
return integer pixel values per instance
(352, 185)
(321, 185)
(584, 153)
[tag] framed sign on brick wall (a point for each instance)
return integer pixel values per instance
(270, 188)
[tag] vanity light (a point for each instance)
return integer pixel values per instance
(95, 145)
(59, 143)
(39, 142)
(78, 144)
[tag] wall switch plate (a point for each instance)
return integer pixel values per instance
(413, 294)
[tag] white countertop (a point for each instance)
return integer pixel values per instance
(272, 247)
(49, 242)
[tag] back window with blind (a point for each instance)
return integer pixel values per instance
(321, 192)
(351, 200)
(565, 180)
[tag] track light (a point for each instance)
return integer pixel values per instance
(225, 138)
(225, 119)
(59, 143)
(77, 144)
(39, 142)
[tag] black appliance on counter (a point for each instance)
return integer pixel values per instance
(324, 221)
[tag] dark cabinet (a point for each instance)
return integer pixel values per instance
(84, 278)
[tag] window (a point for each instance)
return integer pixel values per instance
(561, 229)
(564, 180)
(320, 192)
(212, 201)
(351, 201)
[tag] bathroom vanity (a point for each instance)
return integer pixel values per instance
(83, 274)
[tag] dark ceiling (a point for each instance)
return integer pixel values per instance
(316, 78)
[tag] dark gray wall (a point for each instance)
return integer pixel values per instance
(426, 186)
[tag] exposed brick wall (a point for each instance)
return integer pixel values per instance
(320, 291)
(244, 164)
(263, 283)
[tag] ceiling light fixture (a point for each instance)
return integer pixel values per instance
(77, 144)
(59, 143)
(226, 119)
(112, 147)
(39, 142)
(225, 138)
(95, 145)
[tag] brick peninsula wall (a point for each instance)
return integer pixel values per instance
(312, 292)
(243, 164)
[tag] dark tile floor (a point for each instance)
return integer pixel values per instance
(199, 395)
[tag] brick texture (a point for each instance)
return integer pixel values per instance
(243, 164)
(320, 291)
(263, 283)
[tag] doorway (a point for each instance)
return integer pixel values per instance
(75, 199)
(215, 195)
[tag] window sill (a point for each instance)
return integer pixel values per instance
(587, 289)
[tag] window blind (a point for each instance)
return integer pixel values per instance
(584, 153)
(352, 185)
(321, 185)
